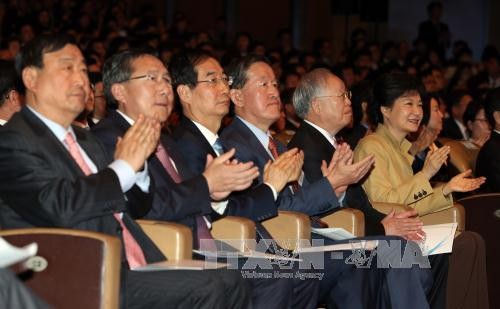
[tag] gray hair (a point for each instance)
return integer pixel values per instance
(311, 85)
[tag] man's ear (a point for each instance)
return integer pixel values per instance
(30, 78)
(118, 92)
(184, 93)
(315, 107)
(236, 97)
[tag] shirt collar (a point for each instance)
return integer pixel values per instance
(2, 122)
(262, 136)
(325, 133)
(58, 130)
(209, 135)
(127, 118)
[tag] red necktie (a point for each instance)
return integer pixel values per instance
(205, 239)
(274, 151)
(133, 251)
(162, 155)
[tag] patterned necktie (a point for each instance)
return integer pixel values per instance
(163, 156)
(274, 151)
(217, 146)
(135, 256)
(205, 239)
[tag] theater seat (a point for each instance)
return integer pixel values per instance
(238, 232)
(352, 220)
(483, 217)
(73, 268)
(461, 157)
(289, 228)
(174, 240)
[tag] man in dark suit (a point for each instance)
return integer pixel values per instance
(454, 126)
(54, 175)
(488, 162)
(255, 95)
(179, 195)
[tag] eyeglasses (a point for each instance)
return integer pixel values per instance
(481, 119)
(346, 95)
(152, 78)
(212, 82)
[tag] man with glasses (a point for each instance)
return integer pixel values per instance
(203, 90)
(256, 98)
(56, 175)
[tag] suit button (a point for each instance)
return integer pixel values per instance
(425, 192)
(415, 196)
(419, 194)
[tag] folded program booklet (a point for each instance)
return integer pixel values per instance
(247, 254)
(335, 233)
(438, 238)
(181, 265)
(353, 245)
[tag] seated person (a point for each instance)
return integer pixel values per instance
(477, 125)
(397, 108)
(488, 159)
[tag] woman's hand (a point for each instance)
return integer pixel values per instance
(434, 160)
(461, 183)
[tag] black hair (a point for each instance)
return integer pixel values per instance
(8, 80)
(182, 66)
(118, 69)
(237, 69)
(387, 89)
(491, 105)
(426, 106)
(32, 53)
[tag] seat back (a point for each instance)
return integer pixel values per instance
(461, 157)
(73, 268)
(350, 219)
(483, 217)
(289, 229)
(174, 240)
(237, 232)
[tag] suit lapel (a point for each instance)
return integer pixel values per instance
(252, 140)
(191, 127)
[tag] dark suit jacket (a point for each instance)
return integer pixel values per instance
(171, 202)
(316, 149)
(42, 186)
(257, 204)
(451, 129)
(313, 198)
(488, 163)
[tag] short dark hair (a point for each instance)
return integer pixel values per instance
(9, 80)
(361, 92)
(491, 105)
(182, 67)
(471, 111)
(237, 69)
(31, 55)
(118, 69)
(388, 88)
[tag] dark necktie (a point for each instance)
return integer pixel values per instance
(133, 251)
(203, 236)
(274, 151)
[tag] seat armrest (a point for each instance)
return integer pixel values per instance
(237, 232)
(289, 228)
(352, 220)
(174, 240)
(455, 214)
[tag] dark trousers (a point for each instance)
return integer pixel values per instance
(184, 289)
(14, 294)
